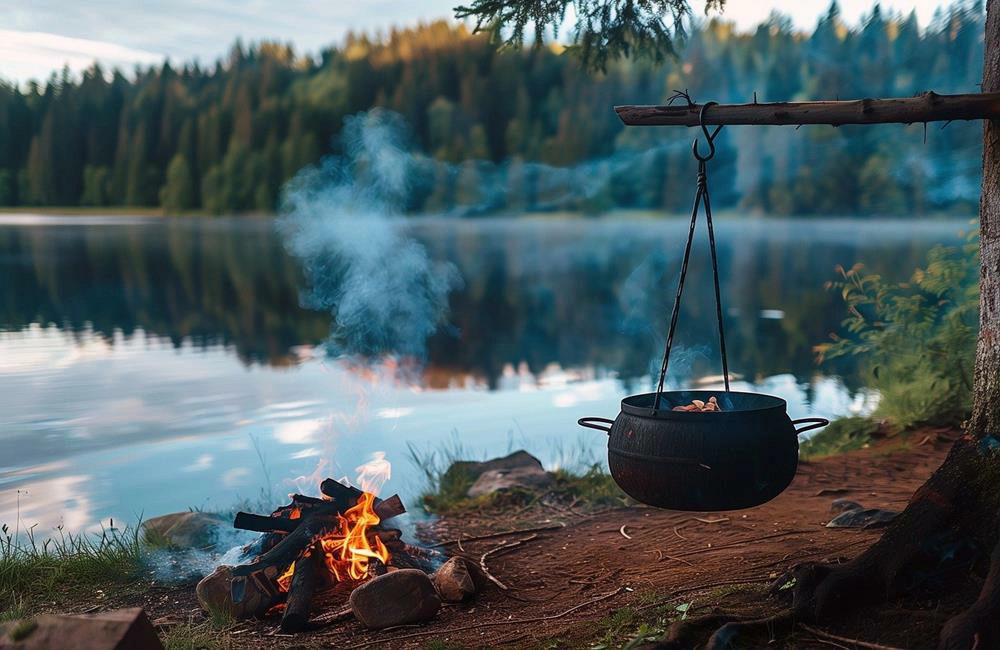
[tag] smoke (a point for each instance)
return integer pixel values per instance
(343, 218)
(339, 217)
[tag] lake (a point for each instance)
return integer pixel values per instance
(151, 365)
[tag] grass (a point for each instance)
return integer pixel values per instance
(448, 475)
(627, 627)
(195, 636)
(31, 571)
(641, 622)
(843, 435)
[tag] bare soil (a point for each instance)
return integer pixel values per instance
(564, 583)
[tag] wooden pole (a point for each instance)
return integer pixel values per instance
(928, 107)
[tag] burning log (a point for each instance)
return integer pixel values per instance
(308, 571)
(277, 523)
(264, 524)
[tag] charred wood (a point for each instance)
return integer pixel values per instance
(305, 580)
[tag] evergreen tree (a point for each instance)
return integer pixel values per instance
(177, 194)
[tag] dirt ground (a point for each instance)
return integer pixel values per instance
(569, 575)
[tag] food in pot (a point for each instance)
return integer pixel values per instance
(712, 405)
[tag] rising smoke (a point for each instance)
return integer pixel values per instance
(343, 219)
(340, 218)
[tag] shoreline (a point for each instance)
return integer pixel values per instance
(643, 214)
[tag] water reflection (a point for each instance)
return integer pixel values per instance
(150, 365)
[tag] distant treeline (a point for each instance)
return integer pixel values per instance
(226, 138)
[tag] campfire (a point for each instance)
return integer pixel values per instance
(310, 545)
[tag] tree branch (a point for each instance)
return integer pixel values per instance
(928, 107)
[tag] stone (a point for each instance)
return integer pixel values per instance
(185, 529)
(215, 595)
(862, 518)
(123, 629)
(398, 598)
(453, 581)
(517, 470)
(845, 505)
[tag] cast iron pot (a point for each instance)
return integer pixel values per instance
(738, 458)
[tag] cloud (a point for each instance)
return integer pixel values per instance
(36, 55)
(184, 30)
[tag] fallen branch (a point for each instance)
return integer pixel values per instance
(842, 639)
(500, 534)
(514, 621)
(493, 551)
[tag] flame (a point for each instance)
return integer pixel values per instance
(347, 553)
(285, 579)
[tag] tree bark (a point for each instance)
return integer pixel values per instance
(986, 404)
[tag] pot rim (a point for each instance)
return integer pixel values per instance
(777, 404)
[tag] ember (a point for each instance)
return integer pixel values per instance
(712, 405)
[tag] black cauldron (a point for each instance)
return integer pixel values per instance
(740, 457)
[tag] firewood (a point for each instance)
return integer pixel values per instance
(340, 493)
(276, 560)
(385, 509)
(389, 508)
(305, 579)
(264, 524)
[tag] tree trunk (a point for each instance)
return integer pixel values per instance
(986, 407)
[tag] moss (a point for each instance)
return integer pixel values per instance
(840, 436)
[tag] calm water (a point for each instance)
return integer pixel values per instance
(149, 365)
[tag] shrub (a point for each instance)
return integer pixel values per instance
(916, 339)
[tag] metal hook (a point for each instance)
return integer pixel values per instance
(709, 137)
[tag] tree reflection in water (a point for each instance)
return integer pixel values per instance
(574, 292)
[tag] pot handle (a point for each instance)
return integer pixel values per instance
(590, 423)
(811, 423)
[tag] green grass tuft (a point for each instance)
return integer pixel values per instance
(35, 570)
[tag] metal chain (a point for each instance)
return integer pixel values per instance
(701, 197)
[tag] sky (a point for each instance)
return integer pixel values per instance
(40, 36)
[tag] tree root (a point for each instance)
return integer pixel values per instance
(724, 629)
